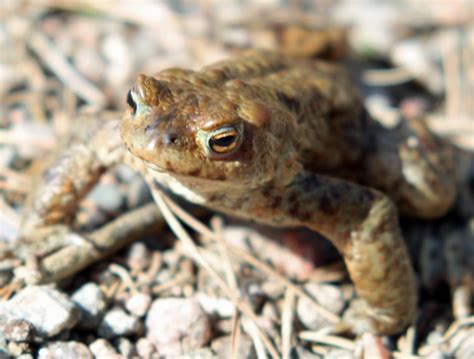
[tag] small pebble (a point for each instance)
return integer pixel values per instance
(107, 197)
(58, 350)
(8, 154)
(203, 353)
(117, 322)
(177, 323)
(101, 348)
(17, 349)
(138, 257)
(329, 296)
(222, 345)
(138, 304)
(125, 347)
(47, 309)
(222, 307)
(19, 330)
(145, 348)
(91, 302)
(138, 192)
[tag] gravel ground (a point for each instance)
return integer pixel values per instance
(161, 296)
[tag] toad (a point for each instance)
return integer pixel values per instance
(286, 142)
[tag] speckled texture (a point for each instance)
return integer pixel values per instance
(305, 154)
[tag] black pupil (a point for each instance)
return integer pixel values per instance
(223, 141)
(130, 102)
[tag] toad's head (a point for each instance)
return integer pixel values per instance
(181, 123)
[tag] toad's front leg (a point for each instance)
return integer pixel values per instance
(363, 225)
(47, 242)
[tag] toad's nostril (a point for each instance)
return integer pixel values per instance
(169, 138)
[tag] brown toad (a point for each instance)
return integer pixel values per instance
(286, 142)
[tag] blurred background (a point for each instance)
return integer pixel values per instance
(410, 58)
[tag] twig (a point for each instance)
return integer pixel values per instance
(328, 340)
(387, 77)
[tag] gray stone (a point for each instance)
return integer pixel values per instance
(91, 302)
(8, 155)
(47, 309)
(138, 192)
(107, 197)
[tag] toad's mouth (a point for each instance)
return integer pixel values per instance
(154, 167)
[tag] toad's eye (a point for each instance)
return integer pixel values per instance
(224, 140)
(131, 102)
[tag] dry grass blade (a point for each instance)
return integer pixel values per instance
(20, 178)
(387, 77)
(194, 252)
(247, 257)
(58, 64)
(253, 331)
(406, 356)
(410, 336)
(12, 137)
(287, 316)
(265, 268)
(124, 275)
(235, 336)
(231, 278)
(330, 340)
(450, 333)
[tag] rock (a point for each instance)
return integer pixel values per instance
(220, 306)
(58, 350)
(47, 309)
(138, 304)
(138, 192)
(125, 347)
(245, 350)
(145, 348)
(101, 348)
(329, 296)
(8, 154)
(117, 322)
(16, 349)
(177, 323)
(19, 330)
(204, 353)
(107, 196)
(91, 302)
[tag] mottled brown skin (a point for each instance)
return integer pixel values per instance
(301, 152)
(305, 155)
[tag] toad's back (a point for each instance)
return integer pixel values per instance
(321, 104)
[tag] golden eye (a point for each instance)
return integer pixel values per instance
(224, 140)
